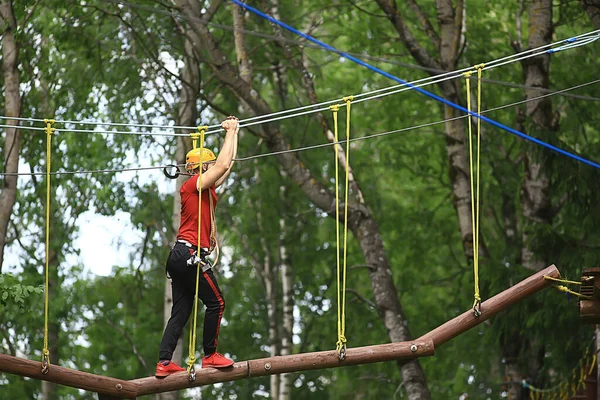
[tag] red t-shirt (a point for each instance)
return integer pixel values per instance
(188, 226)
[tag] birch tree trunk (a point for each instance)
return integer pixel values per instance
(12, 143)
(360, 219)
(535, 197)
(287, 283)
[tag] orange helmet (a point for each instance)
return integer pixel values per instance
(194, 158)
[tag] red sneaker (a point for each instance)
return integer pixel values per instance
(164, 370)
(216, 360)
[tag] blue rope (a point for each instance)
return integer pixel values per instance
(418, 89)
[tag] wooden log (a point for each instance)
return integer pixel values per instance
(406, 351)
(65, 376)
(589, 311)
(491, 307)
(590, 283)
(290, 363)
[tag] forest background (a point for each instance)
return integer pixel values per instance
(410, 246)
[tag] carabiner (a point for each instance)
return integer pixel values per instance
(45, 364)
(192, 374)
(171, 171)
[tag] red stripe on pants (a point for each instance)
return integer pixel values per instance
(221, 303)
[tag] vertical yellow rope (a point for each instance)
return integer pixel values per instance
(475, 182)
(341, 343)
(335, 108)
(191, 369)
(479, 68)
(46, 353)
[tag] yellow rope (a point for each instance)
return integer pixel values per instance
(475, 190)
(567, 290)
(341, 343)
(335, 108)
(46, 353)
(561, 280)
(191, 361)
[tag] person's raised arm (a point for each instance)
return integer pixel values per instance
(225, 156)
(222, 179)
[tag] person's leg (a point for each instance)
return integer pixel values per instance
(183, 300)
(212, 297)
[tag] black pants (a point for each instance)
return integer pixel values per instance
(183, 283)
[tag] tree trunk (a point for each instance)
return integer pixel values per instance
(269, 277)
(243, 61)
(287, 289)
(592, 7)
(360, 220)
(447, 43)
(12, 143)
(534, 192)
(535, 198)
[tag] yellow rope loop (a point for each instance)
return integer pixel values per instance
(474, 181)
(342, 334)
(479, 67)
(477, 298)
(335, 108)
(341, 271)
(49, 132)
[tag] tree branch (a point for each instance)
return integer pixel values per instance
(425, 23)
(406, 36)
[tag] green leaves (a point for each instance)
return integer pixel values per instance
(11, 291)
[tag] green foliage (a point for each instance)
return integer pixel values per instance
(13, 292)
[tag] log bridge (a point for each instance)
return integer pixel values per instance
(112, 388)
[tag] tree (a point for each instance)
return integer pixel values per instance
(12, 141)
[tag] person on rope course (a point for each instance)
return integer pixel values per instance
(183, 262)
